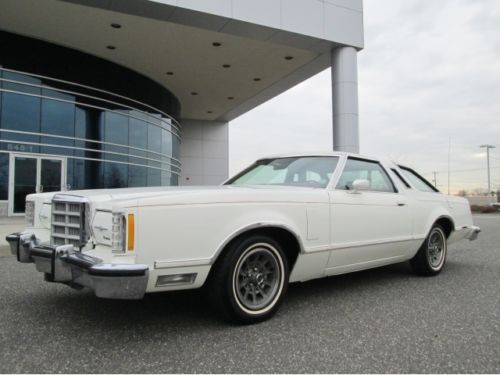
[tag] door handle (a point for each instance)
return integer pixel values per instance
(401, 204)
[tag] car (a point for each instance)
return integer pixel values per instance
(284, 219)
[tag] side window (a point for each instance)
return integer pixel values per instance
(418, 181)
(356, 169)
(403, 181)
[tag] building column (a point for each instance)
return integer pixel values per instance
(345, 99)
(204, 152)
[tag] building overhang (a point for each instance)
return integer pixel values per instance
(218, 65)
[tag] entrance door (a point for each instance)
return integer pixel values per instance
(50, 175)
(25, 181)
(33, 174)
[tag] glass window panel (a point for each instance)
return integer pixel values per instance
(21, 78)
(57, 94)
(166, 178)
(4, 176)
(175, 180)
(137, 176)
(58, 118)
(116, 131)
(166, 143)
(154, 138)
(356, 169)
(154, 177)
(175, 147)
(138, 139)
(138, 160)
(138, 134)
(50, 175)
(154, 144)
(89, 125)
(1, 94)
(80, 129)
(78, 174)
(418, 181)
(154, 118)
(115, 175)
(87, 174)
(294, 171)
(20, 113)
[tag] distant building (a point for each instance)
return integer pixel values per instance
(101, 94)
(481, 200)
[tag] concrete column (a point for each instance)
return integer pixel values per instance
(345, 99)
(204, 152)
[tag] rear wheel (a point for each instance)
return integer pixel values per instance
(431, 256)
(248, 282)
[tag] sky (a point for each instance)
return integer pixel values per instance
(429, 86)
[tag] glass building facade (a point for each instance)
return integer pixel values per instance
(73, 121)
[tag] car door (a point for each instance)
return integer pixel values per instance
(368, 227)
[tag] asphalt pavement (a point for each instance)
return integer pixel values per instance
(381, 320)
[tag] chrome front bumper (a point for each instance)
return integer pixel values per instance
(472, 232)
(66, 264)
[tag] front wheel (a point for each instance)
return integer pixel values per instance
(431, 256)
(248, 282)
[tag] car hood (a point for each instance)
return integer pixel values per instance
(133, 197)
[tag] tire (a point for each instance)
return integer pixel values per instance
(431, 257)
(249, 280)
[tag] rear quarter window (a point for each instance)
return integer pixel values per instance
(418, 181)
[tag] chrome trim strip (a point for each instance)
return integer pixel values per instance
(162, 264)
(92, 88)
(376, 261)
(71, 198)
(89, 106)
(90, 140)
(350, 245)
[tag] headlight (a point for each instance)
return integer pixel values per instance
(30, 213)
(118, 233)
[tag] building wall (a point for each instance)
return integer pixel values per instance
(340, 21)
(70, 121)
(204, 152)
(481, 200)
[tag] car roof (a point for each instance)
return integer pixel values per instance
(318, 153)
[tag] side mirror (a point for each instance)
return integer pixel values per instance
(360, 185)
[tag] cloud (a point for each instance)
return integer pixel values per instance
(429, 73)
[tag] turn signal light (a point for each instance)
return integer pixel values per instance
(130, 232)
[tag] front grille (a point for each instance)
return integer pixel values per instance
(68, 222)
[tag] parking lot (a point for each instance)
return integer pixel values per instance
(382, 320)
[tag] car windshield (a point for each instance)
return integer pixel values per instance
(309, 171)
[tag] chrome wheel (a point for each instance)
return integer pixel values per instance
(258, 278)
(436, 248)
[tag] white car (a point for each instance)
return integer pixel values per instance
(284, 219)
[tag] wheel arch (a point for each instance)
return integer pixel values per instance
(291, 242)
(447, 223)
